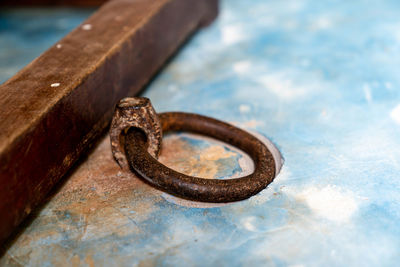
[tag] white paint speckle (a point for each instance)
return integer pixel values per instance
(388, 85)
(290, 24)
(395, 114)
(173, 88)
(367, 93)
(59, 46)
(232, 34)
(330, 202)
(244, 108)
(241, 67)
(281, 85)
(248, 223)
(305, 62)
(55, 85)
(321, 23)
(333, 253)
(87, 27)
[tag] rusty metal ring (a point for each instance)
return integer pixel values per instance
(140, 137)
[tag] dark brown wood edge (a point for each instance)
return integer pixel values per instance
(53, 109)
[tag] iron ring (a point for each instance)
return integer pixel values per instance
(141, 154)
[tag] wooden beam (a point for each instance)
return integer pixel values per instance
(53, 109)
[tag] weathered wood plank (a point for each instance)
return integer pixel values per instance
(54, 108)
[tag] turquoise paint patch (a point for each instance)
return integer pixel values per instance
(318, 78)
(26, 33)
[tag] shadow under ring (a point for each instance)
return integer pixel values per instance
(196, 188)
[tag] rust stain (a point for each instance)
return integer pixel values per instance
(100, 201)
(182, 157)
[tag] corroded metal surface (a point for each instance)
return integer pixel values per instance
(136, 131)
(321, 78)
(197, 188)
(139, 113)
(104, 215)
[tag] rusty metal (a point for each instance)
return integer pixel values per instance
(135, 112)
(54, 109)
(139, 124)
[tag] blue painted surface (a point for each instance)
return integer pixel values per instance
(321, 80)
(27, 33)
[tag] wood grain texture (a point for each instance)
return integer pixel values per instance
(54, 108)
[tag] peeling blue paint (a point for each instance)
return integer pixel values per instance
(321, 80)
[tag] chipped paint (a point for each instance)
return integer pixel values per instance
(321, 84)
(100, 203)
(191, 155)
(87, 27)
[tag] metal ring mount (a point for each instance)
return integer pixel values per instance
(142, 141)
